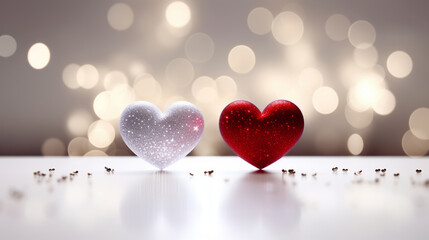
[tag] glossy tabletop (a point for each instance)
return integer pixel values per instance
(214, 198)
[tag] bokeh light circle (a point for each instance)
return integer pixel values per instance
(399, 64)
(259, 21)
(78, 146)
(147, 88)
(101, 134)
(419, 123)
(359, 119)
(384, 102)
(413, 146)
(241, 59)
(204, 89)
(7, 46)
(53, 147)
(325, 100)
(120, 16)
(114, 79)
(87, 76)
(355, 144)
(38, 56)
(362, 34)
(287, 28)
(78, 122)
(70, 76)
(337, 27)
(178, 14)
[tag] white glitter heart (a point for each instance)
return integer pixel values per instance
(161, 139)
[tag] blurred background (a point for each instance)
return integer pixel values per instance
(357, 69)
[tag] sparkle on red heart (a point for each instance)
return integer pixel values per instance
(261, 138)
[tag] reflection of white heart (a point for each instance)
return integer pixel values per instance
(161, 139)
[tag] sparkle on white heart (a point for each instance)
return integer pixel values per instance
(161, 139)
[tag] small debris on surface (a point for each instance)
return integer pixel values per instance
(191, 174)
(396, 174)
(383, 170)
(314, 174)
(304, 174)
(210, 172)
(284, 171)
(205, 172)
(418, 170)
(377, 170)
(334, 169)
(345, 169)
(76, 172)
(291, 172)
(109, 170)
(360, 171)
(89, 174)
(51, 169)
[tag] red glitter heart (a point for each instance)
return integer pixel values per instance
(261, 138)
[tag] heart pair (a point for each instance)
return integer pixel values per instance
(164, 138)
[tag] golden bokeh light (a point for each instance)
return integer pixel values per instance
(199, 47)
(136, 68)
(108, 105)
(114, 79)
(259, 21)
(287, 28)
(38, 56)
(148, 89)
(178, 14)
(384, 102)
(419, 123)
(70, 76)
(204, 89)
(101, 134)
(87, 76)
(325, 100)
(365, 58)
(53, 147)
(364, 93)
(359, 119)
(241, 59)
(311, 79)
(95, 153)
(355, 144)
(337, 27)
(414, 146)
(78, 146)
(78, 122)
(179, 73)
(120, 16)
(226, 88)
(362, 34)
(7, 46)
(399, 64)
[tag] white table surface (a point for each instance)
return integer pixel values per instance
(235, 202)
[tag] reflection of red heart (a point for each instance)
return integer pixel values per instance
(261, 138)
